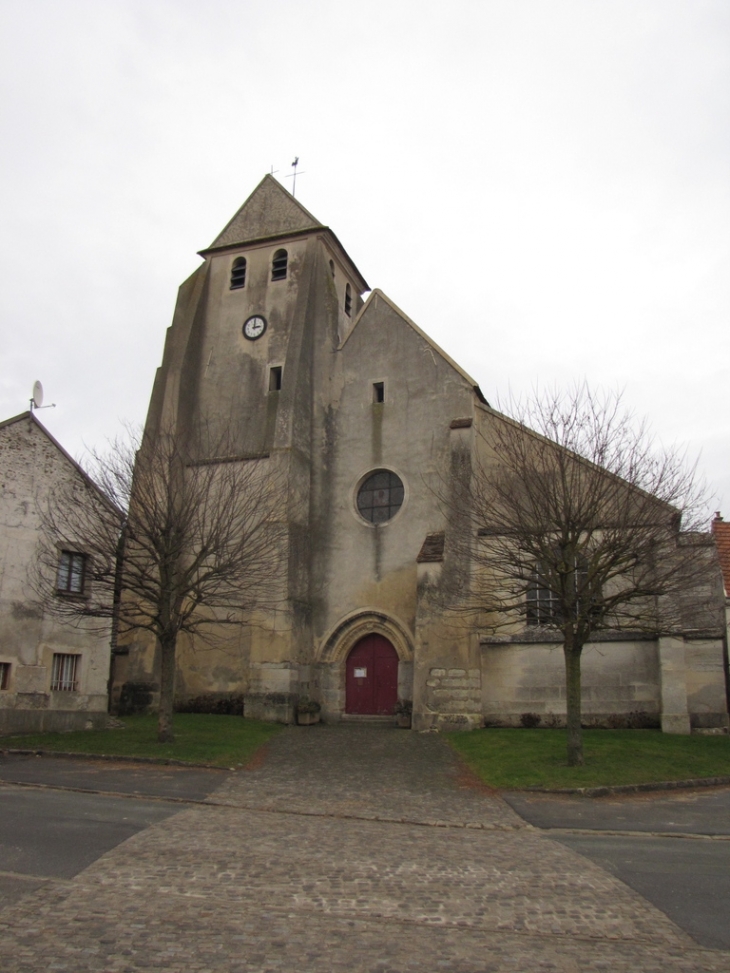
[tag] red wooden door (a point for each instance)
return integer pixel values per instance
(372, 677)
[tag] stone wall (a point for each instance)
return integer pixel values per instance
(674, 683)
(454, 694)
(618, 678)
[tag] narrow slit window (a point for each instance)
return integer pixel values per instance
(332, 267)
(275, 378)
(64, 674)
(348, 300)
(4, 675)
(279, 265)
(378, 392)
(238, 273)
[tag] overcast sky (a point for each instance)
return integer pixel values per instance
(542, 185)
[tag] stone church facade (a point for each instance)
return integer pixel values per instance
(369, 422)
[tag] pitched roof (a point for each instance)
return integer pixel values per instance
(269, 211)
(30, 416)
(432, 549)
(375, 295)
(721, 533)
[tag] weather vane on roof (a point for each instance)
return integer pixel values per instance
(293, 175)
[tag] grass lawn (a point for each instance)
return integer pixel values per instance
(537, 758)
(221, 741)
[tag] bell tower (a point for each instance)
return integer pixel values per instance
(249, 361)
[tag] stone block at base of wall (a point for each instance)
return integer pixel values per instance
(447, 722)
(226, 704)
(635, 720)
(677, 723)
(709, 721)
(270, 707)
(49, 721)
(137, 697)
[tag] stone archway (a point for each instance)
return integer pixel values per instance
(343, 637)
(339, 644)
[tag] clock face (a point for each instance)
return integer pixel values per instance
(254, 327)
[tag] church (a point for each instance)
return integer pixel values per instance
(369, 422)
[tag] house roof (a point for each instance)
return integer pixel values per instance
(721, 533)
(30, 416)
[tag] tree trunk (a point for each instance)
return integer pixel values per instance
(572, 689)
(167, 689)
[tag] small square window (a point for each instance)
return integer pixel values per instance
(64, 674)
(71, 573)
(378, 392)
(275, 378)
(4, 675)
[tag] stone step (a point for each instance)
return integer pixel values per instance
(363, 718)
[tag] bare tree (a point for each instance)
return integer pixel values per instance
(200, 544)
(574, 519)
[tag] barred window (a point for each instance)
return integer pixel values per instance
(4, 675)
(543, 603)
(71, 573)
(238, 273)
(278, 265)
(380, 497)
(64, 674)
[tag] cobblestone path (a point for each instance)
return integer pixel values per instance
(347, 848)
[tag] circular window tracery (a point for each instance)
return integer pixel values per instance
(380, 497)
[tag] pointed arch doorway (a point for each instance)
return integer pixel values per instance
(371, 677)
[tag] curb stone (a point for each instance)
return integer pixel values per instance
(599, 791)
(114, 757)
(604, 791)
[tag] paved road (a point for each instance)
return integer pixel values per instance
(701, 810)
(51, 834)
(112, 776)
(688, 877)
(47, 835)
(346, 849)
(688, 880)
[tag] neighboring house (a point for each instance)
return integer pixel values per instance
(53, 675)
(721, 533)
(370, 421)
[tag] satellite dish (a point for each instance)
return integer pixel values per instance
(37, 395)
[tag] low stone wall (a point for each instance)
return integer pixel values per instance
(14, 721)
(625, 684)
(620, 684)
